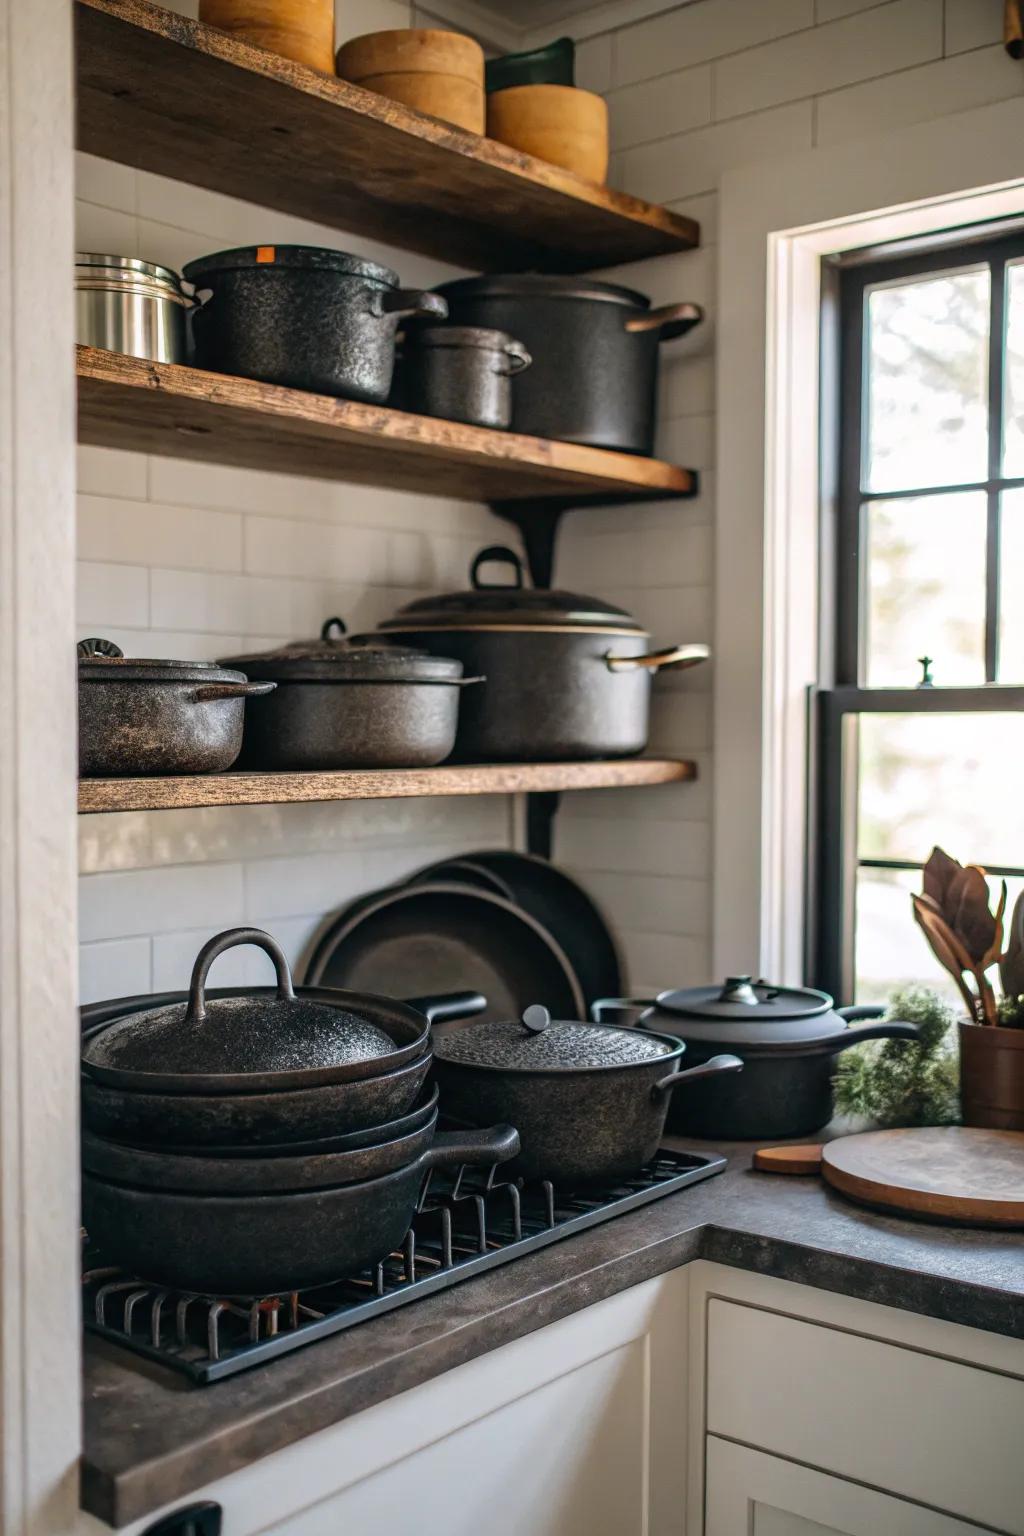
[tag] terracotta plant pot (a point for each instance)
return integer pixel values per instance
(558, 123)
(302, 30)
(992, 1076)
(441, 73)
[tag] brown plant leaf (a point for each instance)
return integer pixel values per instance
(1011, 966)
(946, 948)
(938, 872)
(972, 921)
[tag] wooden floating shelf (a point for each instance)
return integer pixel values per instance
(164, 408)
(164, 93)
(165, 794)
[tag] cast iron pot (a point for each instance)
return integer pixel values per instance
(141, 717)
(303, 316)
(280, 1169)
(352, 704)
(259, 1245)
(424, 1110)
(594, 348)
(458, 372)
(788, 1038)
(589, 1101)
(566, 676)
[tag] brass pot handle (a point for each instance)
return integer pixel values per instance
(669, 321)
(679, 656)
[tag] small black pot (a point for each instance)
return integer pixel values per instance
(261, 1244)
(353, 704)
(789, 1039)
(151, 716)
(594, 347)
(303, 316)
(458, 372)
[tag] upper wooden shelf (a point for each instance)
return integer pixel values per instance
(167, 94)
(166, 794)
(182, 412)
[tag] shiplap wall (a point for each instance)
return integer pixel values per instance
(191, 561)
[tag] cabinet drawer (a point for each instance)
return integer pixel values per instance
(916, 1425)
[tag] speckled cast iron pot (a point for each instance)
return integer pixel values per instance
(458, 372)
(141, 716)
(589, 1101)
(342, 703)
(256, 1245)
(302, 316)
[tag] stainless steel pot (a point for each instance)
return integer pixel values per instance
(126, 305)
(141, 716)
(567, 676)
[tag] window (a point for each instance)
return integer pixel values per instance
(921, 736)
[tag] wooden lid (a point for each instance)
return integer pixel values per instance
(959, 1174)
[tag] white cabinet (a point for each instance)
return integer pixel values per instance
(751, 1494)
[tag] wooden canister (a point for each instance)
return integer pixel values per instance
(992, 1076)
(302, 30)
(557, 123)
(441, 73)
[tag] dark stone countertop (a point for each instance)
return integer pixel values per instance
(151, 1437)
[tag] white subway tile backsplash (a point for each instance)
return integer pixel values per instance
(692, 34)
(704, 209)
(687, 440)
(973, 24)
(651, 904)
(594, 63)
(693, 162)
(657, 962)
(948, 85)
(112, 594)
(117, 529)
(894, 37)
(109, 472)
(833, 10)
(105, 231)
(654, 109)
(648, 847)
(155, 900)
(115, 968)
(277, 546)
(105, 182)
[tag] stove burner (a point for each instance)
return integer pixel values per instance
(468, 1222)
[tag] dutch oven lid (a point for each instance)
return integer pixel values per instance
(510, 605)
(234, 1036)
(755, 1014)
(361, 659)
(539, 1043)
(101, 661)
(305, 258)
(542, 285)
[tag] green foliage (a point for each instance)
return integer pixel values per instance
(1010, 1012)
(905, 1082)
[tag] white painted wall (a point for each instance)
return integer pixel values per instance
(195, 561)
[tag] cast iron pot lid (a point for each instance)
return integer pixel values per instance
(101, 661)
(538, 1043)
(304, 258)
(541, 285)
(232, 1039)
(334, 657)
(510, 605)
(753, 1014)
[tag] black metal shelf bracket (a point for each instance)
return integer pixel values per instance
(541, 810)
(194, 1520)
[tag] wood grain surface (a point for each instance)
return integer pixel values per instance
(167, 94)
(958, 1174)
(798, 1160)
(164, 408)
(158, 794)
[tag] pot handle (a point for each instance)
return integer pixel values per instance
(861, 1011)
(670, 321)
(884, 1029)
(405, 302)
(518, 359)
(678, 656)
(210, 691)
(449, 1005)
(609, 1010)
(710, 1068)
(230, 940)
(478, 1148)
(499, 554)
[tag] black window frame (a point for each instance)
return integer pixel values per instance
(838, 705)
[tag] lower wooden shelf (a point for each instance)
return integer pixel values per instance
(165, 794)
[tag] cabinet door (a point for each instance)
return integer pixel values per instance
(751, 1494)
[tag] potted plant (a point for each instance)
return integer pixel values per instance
(967, 939)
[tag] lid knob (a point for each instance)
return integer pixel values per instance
(97, 647)
(536, 1018)
(738, 989)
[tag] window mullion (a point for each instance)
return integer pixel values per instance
(996, 371)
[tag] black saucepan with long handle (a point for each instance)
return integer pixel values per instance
(789, 1039)
(262, 1244)
(589, 1101)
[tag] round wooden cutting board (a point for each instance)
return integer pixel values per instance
(955, 1174)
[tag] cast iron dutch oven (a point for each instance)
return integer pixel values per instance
(566, 676)
(340, 703)
(788, 1038)
(149, 716)
(285, 1240)
(594, 348)
(589, 1101)
(458, 372)
(303, 316)
(249, 1067)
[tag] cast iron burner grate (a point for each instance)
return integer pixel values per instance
(467, 1222)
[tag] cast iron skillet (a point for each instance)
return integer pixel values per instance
(260, 1245)
(351, 1141)
(437, 936)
